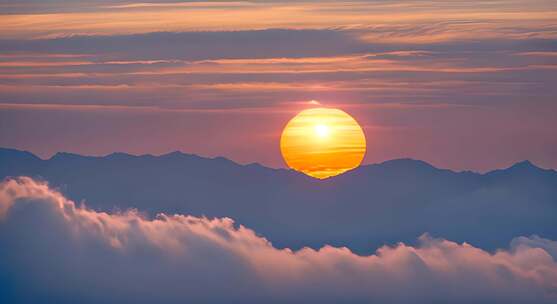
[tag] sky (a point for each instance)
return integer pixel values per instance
(459, 84)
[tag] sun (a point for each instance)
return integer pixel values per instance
(323, 142)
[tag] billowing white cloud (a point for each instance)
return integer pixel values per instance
(51, 249)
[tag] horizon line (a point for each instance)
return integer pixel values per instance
(100, 156)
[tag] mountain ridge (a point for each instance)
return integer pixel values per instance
(177, 153)
(376, 204)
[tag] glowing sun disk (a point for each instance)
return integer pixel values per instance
(323, 142)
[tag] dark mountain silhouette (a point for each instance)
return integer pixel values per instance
(397, 200)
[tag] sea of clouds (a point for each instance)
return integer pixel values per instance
(54, 250)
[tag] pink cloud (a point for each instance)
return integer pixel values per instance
(53, 249)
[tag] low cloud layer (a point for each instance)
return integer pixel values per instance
(52, 249)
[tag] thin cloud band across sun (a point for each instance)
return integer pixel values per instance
(323, 142)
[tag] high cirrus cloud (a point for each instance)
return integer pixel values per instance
(54, 250)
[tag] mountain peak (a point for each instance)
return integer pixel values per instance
(14, 153)
(175, 154)
(66, 156)
(405, 163)
(524, 165)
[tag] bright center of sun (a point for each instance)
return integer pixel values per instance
(323, 142)
(322, 130)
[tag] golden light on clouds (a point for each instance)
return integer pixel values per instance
(374, 18)
(323, 142)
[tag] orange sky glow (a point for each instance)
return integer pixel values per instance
(407, 71)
